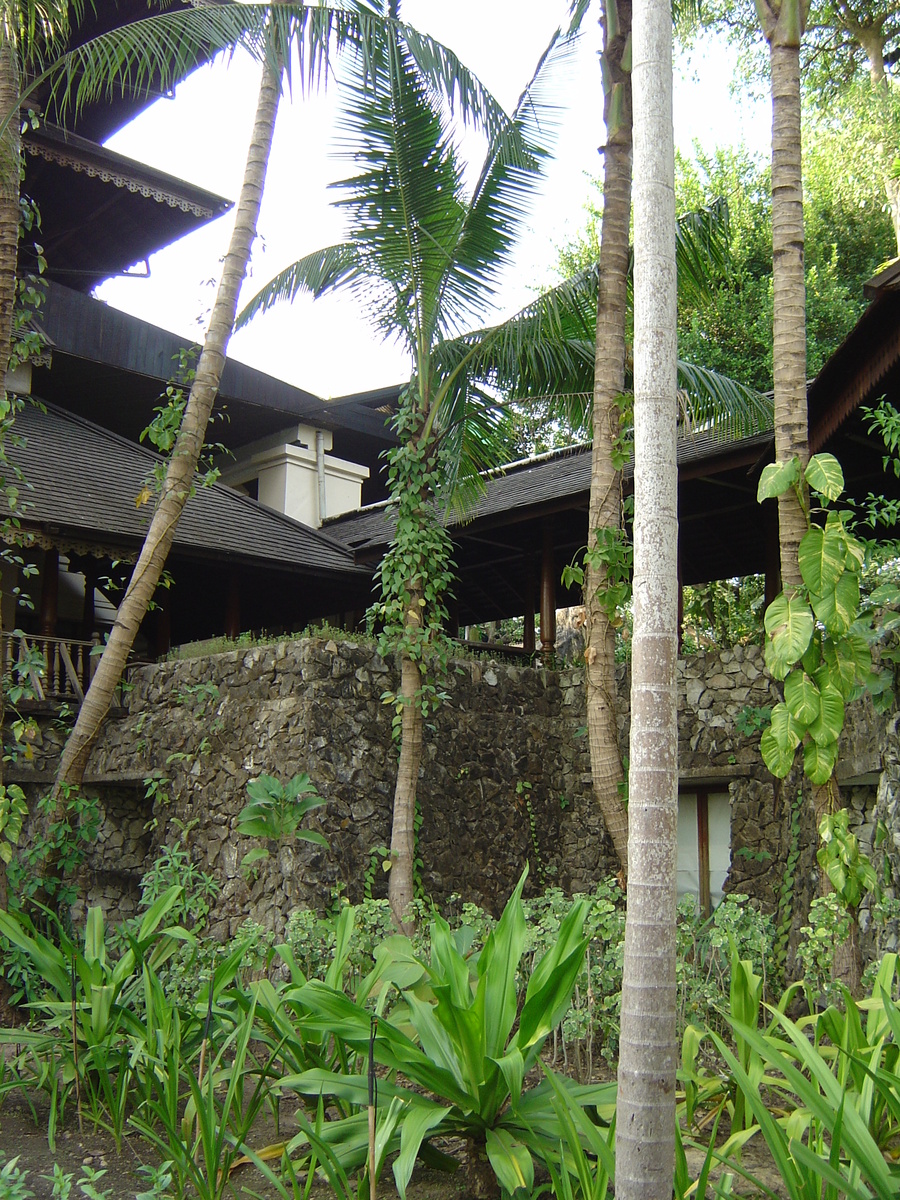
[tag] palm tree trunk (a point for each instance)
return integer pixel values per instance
(10, 160)
(183, 463)
(609, 384)
(401, 885)
(783, 22)
(645, 1118)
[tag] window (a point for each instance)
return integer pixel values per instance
(704, 846)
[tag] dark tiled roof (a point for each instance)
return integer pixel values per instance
(538, 482)
(84, 481)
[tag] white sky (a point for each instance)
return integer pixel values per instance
(326, 346)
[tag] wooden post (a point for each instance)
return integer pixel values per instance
(548, 595)
(233, 606)
(703, 852)
(528, 637)
(773, 559)
(91, 571)
(163, 621)
(49, 592)
(680, 602)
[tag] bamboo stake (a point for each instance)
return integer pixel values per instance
(372, 1087)
(75, 1049)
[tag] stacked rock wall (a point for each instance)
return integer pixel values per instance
(505, 779)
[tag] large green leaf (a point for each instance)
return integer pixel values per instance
(777, 478)
(821, 556)
(498, 963)
(419, 1120)
(511, 1160)
(779, 741)
(789, 625)
(839, 608)
(801, 697)
(819, 760)
(824, 475)
(849, 661)
(830, 720)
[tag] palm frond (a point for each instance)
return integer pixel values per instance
(708, 399)
(405, 206)
(701, 250)
(322, 271)
(503, 192)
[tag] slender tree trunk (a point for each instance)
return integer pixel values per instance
(401, 888)
(183, 463)
(847, 966)
(609, 385)
(10, 160)
(783, 23)
(645, 1119)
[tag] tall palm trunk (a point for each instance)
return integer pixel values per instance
(605, 510)
(645, 1118)
(783, 22)
(10, 157)
(401, 886)
(183, 463)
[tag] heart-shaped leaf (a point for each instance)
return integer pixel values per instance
(789, 625)
(821, 557)
(777, 478)
(839, 608)
(824, 475)
(802, 697)
(818, 761)
(830, 721)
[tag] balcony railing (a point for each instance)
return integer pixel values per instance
(49, 668)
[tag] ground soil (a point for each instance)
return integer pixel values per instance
(23, 1137)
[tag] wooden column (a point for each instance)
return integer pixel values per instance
(49, 593)
(528, 636)
(233, 606)
(680, 602)
(703, 852)
(163, 621)
(548, 595)
(773, 557)
(91, 571)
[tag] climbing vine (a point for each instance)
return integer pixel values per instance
(816, 639)
(417, 571)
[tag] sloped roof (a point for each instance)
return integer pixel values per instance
(537, 483)
(102, 212)
(84, 481)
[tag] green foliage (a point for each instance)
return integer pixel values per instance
(468, 1057)
(13, 814)
(723, 613)
(68, 840)
(87, 1001)
(849, 872)
(162, 432)
(815, 640)
(417, 570)
(276, 811)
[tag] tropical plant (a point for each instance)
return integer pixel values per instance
(88, 1012)
(466, 1074)
(314, 31)
(276, 811)
(423, 252)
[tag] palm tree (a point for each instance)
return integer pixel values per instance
(783, 22)
(424, 254)
(314, 30)
(645, 1117)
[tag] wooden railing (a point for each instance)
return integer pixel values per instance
(49, 668)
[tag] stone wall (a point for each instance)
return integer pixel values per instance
(202, 728)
